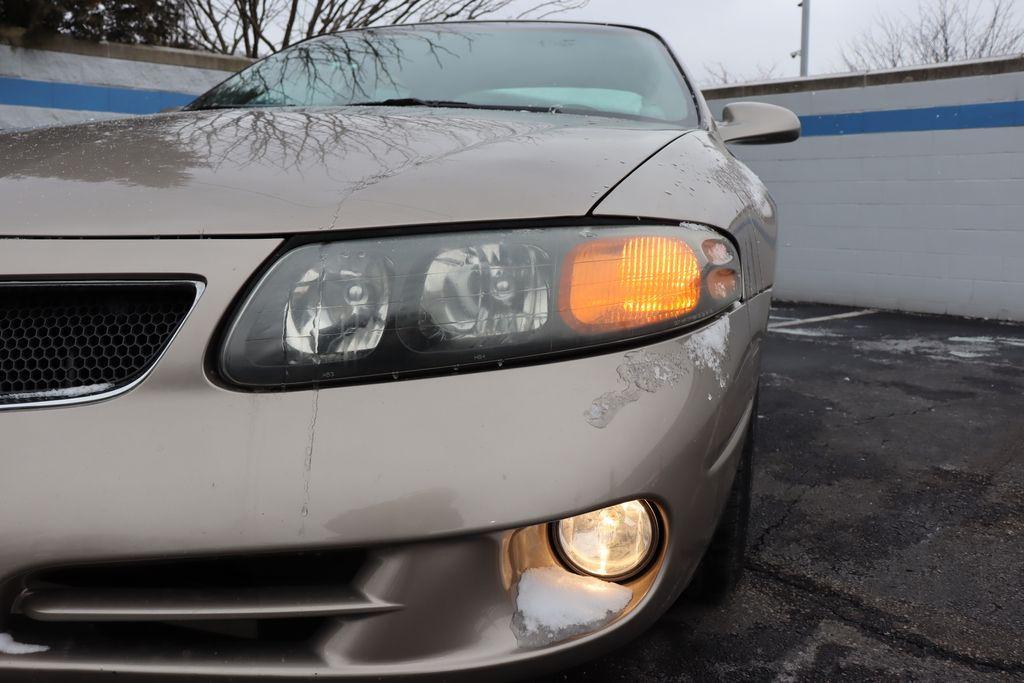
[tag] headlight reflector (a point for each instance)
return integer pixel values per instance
(366, 308)
(485, 293)
(337, 312)
(612, 543)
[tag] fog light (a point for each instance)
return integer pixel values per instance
(614, 543)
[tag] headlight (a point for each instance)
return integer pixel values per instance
(365, 308)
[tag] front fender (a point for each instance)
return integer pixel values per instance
(697, 179)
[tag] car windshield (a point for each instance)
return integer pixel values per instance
(610, 71)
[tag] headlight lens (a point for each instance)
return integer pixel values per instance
(612, 543)
(366, 308)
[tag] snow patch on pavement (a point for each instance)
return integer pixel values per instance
(9, 646)
(967, 354)
(988, 341)
(553, 604)
(973, 340)
(805, 332)
(964, 348)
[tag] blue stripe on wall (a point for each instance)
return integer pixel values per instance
(987, 115)
(28, 93)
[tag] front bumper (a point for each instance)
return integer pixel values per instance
(440, 482)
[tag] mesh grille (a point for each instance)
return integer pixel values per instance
(65, 340)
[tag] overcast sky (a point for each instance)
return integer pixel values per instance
(746, 34)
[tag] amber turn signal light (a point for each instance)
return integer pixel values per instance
(625, 282)
(723, 284)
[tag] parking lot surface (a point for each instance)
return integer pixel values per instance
(887, 537)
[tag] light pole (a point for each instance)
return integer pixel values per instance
(805, 38)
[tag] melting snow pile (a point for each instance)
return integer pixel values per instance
(554, 604)
(9, 646)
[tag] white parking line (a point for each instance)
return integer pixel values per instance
(824, 318)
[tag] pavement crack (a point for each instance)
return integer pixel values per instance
(910, 413)
(782, 519)
(889, 416)
(876, 622)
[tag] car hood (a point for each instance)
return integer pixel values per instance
(276, 171)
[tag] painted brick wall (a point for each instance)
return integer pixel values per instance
(926, 217)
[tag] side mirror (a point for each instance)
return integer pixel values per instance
(757, 123)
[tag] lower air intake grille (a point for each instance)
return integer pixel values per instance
(65, 340)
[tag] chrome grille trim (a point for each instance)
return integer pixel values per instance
(197, 604)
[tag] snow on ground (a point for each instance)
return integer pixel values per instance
(968, 348)
(989, 341)
(806, 332)
(972, 348)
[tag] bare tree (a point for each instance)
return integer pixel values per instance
(719, 74)
(943, 31)
(260, 27)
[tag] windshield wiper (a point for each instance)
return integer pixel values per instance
(210, 107)
(452, 104)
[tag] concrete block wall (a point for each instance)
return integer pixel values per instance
(67, 81)
(907, 191)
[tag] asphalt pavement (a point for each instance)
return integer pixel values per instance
(887, 532)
